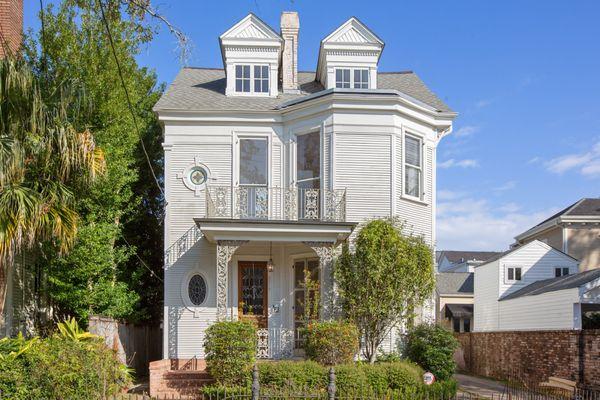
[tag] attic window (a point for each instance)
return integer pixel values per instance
(356, 78)
(252, 79)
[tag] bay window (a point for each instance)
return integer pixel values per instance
(413, 166)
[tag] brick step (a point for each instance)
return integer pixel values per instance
(194, 375)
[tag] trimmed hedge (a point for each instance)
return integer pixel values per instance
(397, 380)
(230, 348)
(332, 342)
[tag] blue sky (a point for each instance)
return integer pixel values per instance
(524, 77)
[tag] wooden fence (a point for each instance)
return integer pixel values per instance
(136, 345)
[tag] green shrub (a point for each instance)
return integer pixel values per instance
(230, 348)
(59, 367)
(440, 390)
(402, 375)
(432, 347)
(331, 343)
(292, 374)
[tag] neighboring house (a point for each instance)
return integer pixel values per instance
(574, 230)
(268, 170)
(461, 261)
(454, 300)
(519, 290)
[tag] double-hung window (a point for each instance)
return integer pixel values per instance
(513, 274)
(561, 271)
(261, 79)
(252, 79)
(342, 78)
(413, 166)
(356, 78)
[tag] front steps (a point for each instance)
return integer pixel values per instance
(178, 378)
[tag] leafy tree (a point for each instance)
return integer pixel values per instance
(387, 276)
(122, 210)
(43, 159)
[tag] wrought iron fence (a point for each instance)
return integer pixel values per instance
(276, 203)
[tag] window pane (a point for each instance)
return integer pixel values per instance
(565, 271)
(308, 156)
(413, 181)
(413, 151)
(456, 323)
(342, 78)
(265, 85)
(467, 325)
(298, 274)
(238, 71)
(511, 274)
(247, 71)
(556, 272)
(253, 162)
(238, 85)
(361, 79)
(517, 274)
(246, 85)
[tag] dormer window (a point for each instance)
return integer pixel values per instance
(360, 78)
(261, 79)
(242, 78)
(258, 84)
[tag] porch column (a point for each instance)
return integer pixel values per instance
(328, 291)
(225, 250)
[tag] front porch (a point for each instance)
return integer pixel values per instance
(261, 273)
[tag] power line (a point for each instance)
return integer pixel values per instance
(152, 273)
(129, 104)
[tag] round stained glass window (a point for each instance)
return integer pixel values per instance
(197, 290)
(197, 176)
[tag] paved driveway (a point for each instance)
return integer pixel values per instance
(480, 386)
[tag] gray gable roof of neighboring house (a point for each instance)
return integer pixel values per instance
(462, 256)
(455, 283)
(554, 284)
(203, 89)
(581, 208)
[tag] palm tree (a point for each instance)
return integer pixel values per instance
(42, 157)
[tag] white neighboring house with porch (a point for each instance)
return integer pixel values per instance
(268, 170)
(533, 287)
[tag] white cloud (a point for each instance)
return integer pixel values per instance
(483, 103)
(586, 163)
(473, 224)
(506, 186)
(534, 160)
(467, 163)
(466, 130)
(443, 194)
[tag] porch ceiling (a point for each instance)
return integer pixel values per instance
(274, 231)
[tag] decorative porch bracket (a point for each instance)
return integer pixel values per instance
(225, 250)
(325, 252)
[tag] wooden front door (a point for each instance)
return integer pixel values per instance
(253, 295)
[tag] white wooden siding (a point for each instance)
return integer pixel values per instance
(553, 310)
(485, 316)
(537, 261)
(362, 164)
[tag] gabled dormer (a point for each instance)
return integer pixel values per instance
(348, 57)
(251, 51)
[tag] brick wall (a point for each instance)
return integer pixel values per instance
(11, 25)
(533, 355)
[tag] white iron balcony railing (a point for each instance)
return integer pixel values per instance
(275, 203)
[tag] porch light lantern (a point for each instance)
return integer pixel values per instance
(270, 262)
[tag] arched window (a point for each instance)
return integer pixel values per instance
(197, 289)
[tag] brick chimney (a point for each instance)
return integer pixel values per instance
(11, 25)
(290, 25)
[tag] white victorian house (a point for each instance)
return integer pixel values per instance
(268, 170)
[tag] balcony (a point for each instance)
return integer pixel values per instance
(276, 203)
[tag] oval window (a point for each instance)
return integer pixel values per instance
(197, 290)
(197, 176)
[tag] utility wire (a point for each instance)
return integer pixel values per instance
(142, 261)
(112, 46)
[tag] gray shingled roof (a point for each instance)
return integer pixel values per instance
(454, 283)
(461, 256)
(203, 89)
(554, 284)
(583, 207)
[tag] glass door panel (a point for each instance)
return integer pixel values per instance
(308, 175)
(306, 286)
(253, 193)
(253, 292)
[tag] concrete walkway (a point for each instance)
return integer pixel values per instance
(480, 386)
